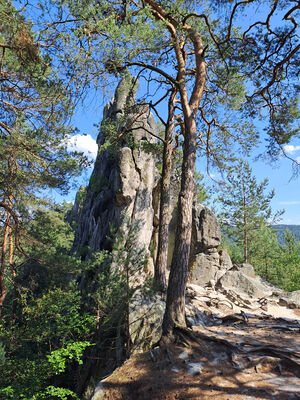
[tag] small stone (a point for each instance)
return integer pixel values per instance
(184, 355)
(194, 368)
(98, 393)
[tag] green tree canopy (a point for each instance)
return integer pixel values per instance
(34, 107)
(275, 262)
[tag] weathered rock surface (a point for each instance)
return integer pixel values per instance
(98, 393)
(125, 186)
(295, 297)
(246, 351)
(122, 183)
(246, 269)
(145, 319)
(73, 215)
(206, 230)
(244, 284)
(291, 299)
(208, 262)
(211, 265)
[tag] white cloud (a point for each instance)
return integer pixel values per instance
(289, 148)
(289, 203)
(287, 221)
(290, 221)
(85, 144)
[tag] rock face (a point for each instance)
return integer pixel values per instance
(208, 261)
(123, 180)
(124, 186)
(145, 319)
(73, 215)
(211, 265)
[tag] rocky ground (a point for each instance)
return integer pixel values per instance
(236, 347)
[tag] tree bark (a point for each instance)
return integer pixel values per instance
(14, 275)
(245, 231)
(163, 232)
(175, 307)
(6, 241)
(3, 291)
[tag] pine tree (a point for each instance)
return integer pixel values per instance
(33, 149)
(245, 205)
(287, 271)
(264, 252)
(275, 262)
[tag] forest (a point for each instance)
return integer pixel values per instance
(198, 86)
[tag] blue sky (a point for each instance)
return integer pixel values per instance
(287, 189)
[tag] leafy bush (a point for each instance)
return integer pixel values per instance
(52, 332)
(72, 351)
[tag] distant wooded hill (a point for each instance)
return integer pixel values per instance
(295, 229)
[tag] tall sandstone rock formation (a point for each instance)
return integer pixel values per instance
(123, 181)
(125, 186)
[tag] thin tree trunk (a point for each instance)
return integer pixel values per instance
(163, 232)
(3, 291)
(14, 275)
(7, 233)
(245, 233)
(266, 266)
(175, 307)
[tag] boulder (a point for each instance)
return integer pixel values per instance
(243, 284)
(246, 269)
(204, 268)
(290, 299)
(145, 321)
(225, 260)
(206, 259)
(206, 232)
(295, 297)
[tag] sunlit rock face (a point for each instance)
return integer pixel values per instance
(208, 261)
(124, 178)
